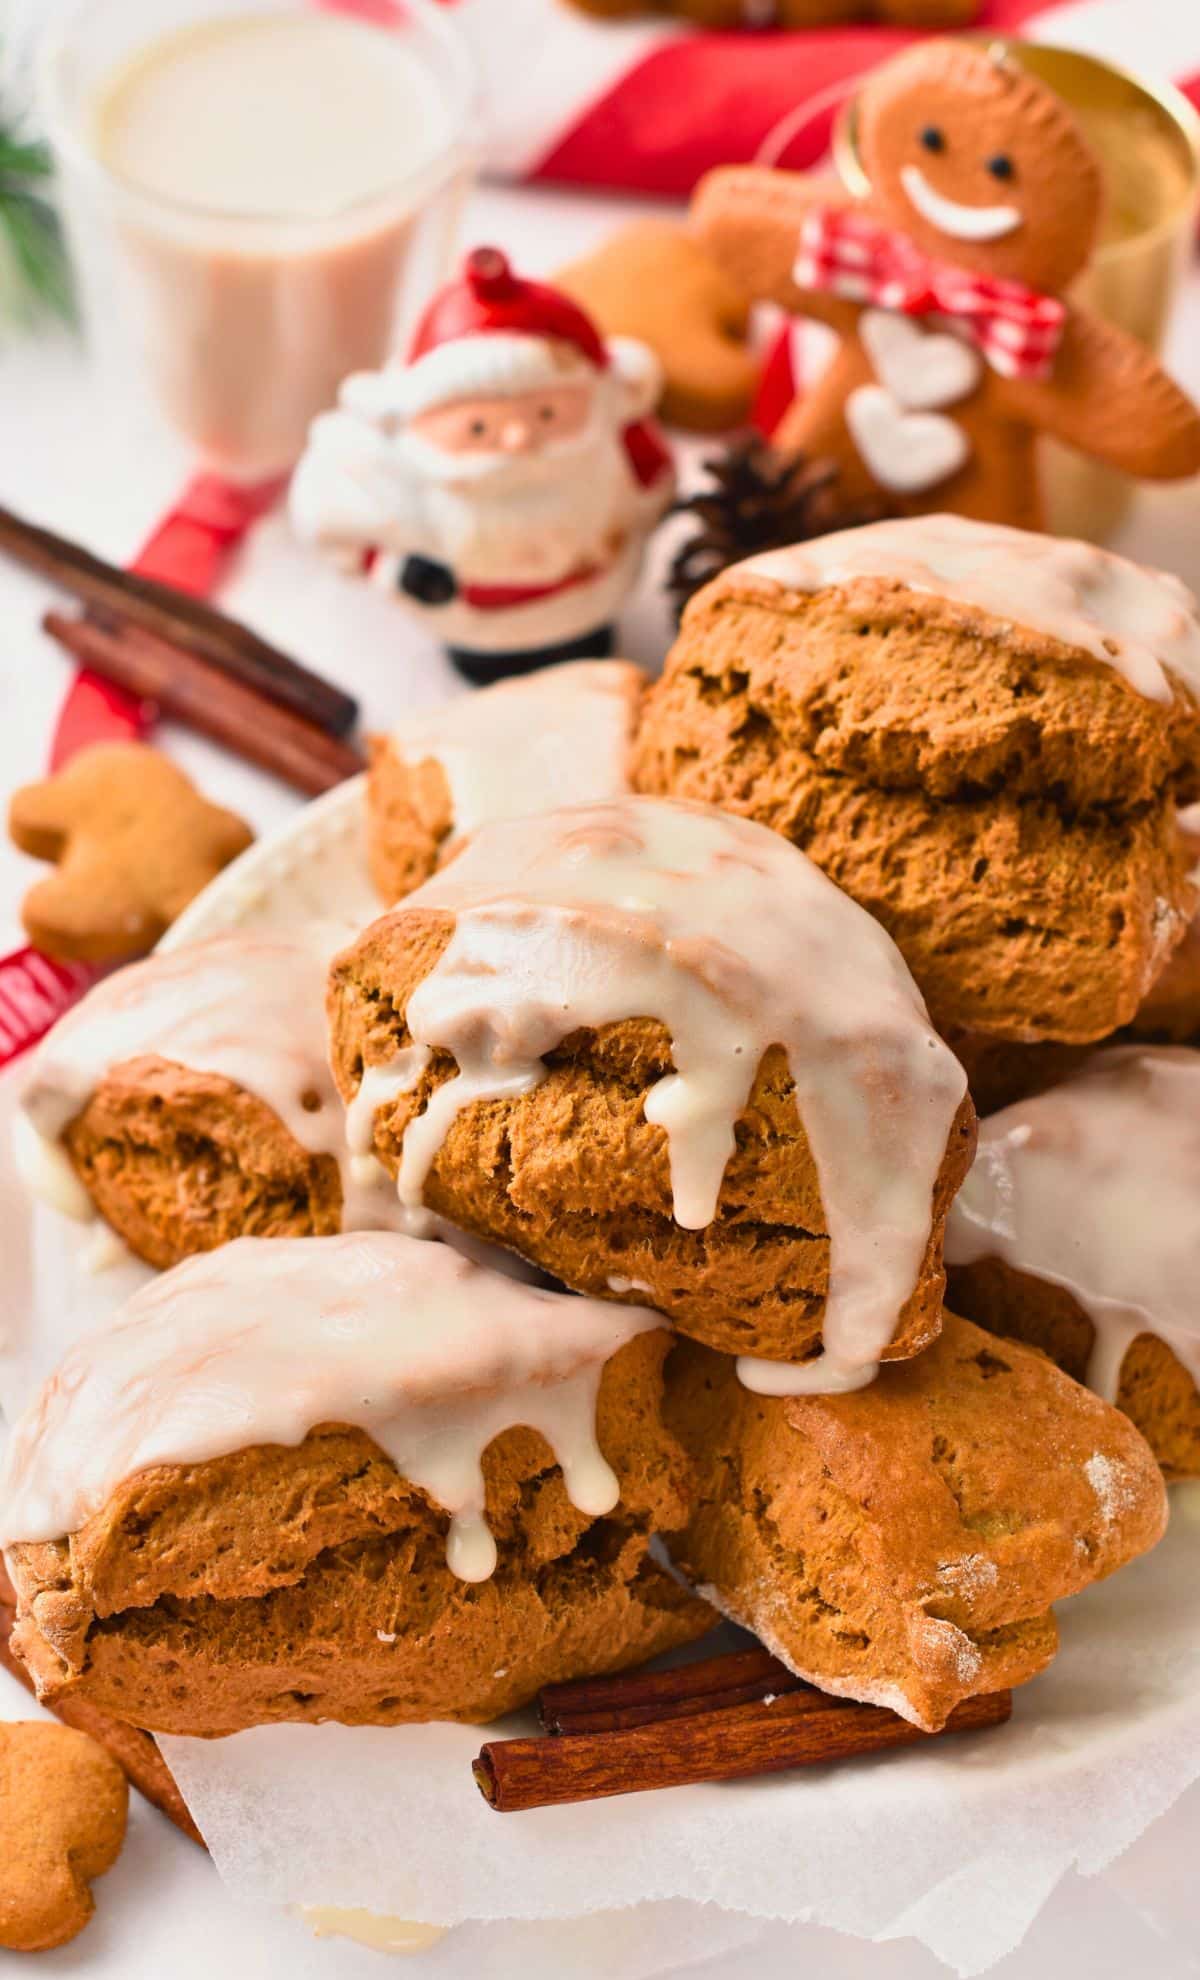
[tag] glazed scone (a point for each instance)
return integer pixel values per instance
(980, 734)
(1078, 1230)
(559, 736)
(903, 1545)
(414, 1490)
(188, 1100)
(625, 1040)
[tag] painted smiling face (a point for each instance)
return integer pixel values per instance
(981, 164)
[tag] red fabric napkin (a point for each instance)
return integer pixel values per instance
(648, 106)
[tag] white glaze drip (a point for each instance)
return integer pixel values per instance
(250, 1008)
(1141, 622)
(735, 941)
(264, 1339)
(556, 737)
(1095, 1187)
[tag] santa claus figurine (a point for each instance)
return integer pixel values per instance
(503, 481)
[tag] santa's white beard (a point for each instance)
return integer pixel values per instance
(527, 518)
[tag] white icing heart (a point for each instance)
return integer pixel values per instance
(904, 451)
(921, 368)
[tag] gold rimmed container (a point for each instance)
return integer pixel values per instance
(1147, 138)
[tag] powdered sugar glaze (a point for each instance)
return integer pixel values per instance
(1141, 622)
(265, 1338)
(250, 1008)
(734, 941)
(560, 736)
(1095, 1187)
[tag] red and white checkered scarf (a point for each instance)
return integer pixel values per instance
(846, 253)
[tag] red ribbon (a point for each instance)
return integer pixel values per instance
(846, 253)
(189, 549)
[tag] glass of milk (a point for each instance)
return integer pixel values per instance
(259, 193)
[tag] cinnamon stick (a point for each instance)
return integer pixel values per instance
(638, 1698)
(173, 615)
(193, 691)
(722, 1745)
(135, 1752)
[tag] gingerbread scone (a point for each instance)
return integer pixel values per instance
(650, 1048)
(63, 1807)
(958, 351)
(560, 736)
(414, 1491)
(1078, 1232)
(979, 733)
(132, 841)
(903, 1545)
(188, 1100)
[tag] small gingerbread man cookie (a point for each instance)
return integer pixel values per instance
(133, 841)
(789, 13)
(654, 282)
(947, 288)
(63, 1807)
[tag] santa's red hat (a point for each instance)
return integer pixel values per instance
(490, 333)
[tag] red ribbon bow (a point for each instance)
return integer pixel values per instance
(848, 254)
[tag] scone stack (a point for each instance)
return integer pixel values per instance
(669, 1007)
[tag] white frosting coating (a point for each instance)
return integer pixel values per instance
(922, 369)
(265, 1338)
(907, 452)
(1095, 1187)
(952, 216)
(559, 736)
(250, 1007)
(735, 942)
(1141, 622)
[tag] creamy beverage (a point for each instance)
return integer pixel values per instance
(266, 170)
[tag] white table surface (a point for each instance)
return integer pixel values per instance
(93, 464)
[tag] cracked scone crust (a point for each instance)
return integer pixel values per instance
(573, 1177)
(310, 1583)
(903, 1544)
(1155, 1389)
(178, 1161)
(1003, 804)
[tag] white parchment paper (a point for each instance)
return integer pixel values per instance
(957, 1846)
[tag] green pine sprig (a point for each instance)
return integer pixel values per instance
(35, 277)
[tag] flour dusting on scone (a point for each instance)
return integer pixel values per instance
(903, 1545)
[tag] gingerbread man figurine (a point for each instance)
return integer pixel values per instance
(945, 287)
